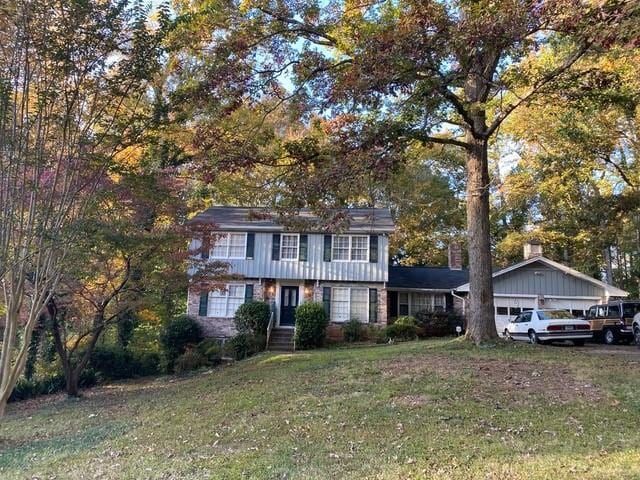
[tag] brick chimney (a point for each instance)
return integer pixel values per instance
(533, 248)
(455, 256)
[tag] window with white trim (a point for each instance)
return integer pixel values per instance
(289, 243)
(410, 303)
(224, 303)
(339, 304)
(360, 249)
(403, 304)
(229, 245)
(354, 248)
(340, 248)
(348, 303)
(420, 302)
(359, 308)
(439, 302)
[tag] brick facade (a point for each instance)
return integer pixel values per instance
(266, 290)
(218, 327)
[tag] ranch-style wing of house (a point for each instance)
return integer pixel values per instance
(539, 282)
(346, 271)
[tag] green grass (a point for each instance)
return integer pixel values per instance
(433, 409)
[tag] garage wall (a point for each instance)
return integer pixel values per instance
(540, 279)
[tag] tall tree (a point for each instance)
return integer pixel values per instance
(396, 72)
(69, 74)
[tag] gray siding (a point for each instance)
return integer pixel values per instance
(261, 266)
(547, 281)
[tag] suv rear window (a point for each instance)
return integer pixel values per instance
(614, 311)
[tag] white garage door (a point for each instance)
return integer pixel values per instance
(508, 308)
(576, 306)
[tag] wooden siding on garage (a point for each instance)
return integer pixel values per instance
(540, 279)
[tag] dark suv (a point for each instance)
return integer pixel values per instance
(612, 322)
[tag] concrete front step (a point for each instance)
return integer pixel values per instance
(281, 339)
(280, 348)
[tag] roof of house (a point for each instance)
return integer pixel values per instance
(363, 220)
(610, 290)
(426, 278)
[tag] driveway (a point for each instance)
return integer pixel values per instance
(622, 350)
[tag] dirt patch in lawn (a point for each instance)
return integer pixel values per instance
(410, 400)
(501, 380)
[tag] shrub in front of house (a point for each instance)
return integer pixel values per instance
(54, 383)
(437, 324)
(147, 363)
(212, 349)
(244, 345)
(376, 334)
(311, 325)
(112, 362)
(404, 328)
(353, 331)
(252, 317)
(190, 360)
(180, 333)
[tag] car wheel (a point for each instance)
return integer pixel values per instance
(609, 336)
(636, 336)
(578, 343)
(533, 337)
(508, 336)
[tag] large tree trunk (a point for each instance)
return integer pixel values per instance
(72, 379)
(480, 320)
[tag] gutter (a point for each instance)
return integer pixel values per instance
(464, 301)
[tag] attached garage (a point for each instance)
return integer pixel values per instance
(538, 282)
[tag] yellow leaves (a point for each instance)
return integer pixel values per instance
(71, 342)
(129, 157)
(149, 316)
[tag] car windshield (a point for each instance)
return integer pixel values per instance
(630, 309)
(554, 314)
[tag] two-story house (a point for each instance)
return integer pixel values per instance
(346, 271)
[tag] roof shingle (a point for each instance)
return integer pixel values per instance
(364, 220)
(432, 278)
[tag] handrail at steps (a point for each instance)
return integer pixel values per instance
(269, 328)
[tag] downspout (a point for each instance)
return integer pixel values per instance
(464, 301)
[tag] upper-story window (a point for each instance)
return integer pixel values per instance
(289, 245)
(353, 248)
(229, 245)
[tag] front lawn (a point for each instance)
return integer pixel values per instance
(431, 409)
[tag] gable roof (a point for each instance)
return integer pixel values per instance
(610, 290)
(361, 220)
(426, 278)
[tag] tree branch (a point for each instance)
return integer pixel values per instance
(569, 61)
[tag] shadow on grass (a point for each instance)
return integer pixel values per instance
(18, 453)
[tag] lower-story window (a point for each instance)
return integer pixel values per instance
(348, 303)
(410, 303)
(225, 303)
